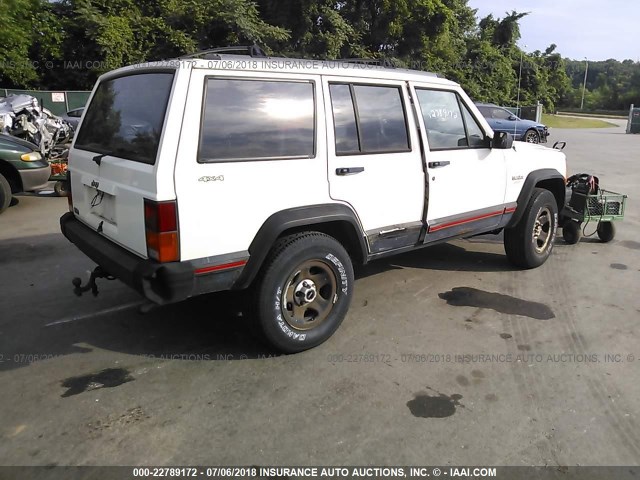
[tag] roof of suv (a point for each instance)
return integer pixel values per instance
(349, 67)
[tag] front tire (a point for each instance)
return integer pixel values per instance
(530, 242)
(531, 136)
(303, 292)
(5, 194)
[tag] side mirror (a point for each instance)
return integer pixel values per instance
(502, 141)
(513, 118)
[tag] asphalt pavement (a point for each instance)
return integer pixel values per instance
(449, 355)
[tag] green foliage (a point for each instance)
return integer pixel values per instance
(16, 22)
(611, 85)
(66, 44)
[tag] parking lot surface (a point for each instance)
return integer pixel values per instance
(449, 355)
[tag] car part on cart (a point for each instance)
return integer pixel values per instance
(588, 202)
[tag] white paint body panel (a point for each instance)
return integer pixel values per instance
(223, 216)
(127, 181)
(473, 180)
(527, 157)
(390, 190)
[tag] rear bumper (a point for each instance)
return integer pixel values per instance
(160, 283)
(34, 178)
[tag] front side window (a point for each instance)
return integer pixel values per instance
(368, 119)
(257, 119)
(442, 119)
(448, 121)
(476, 137)
(126, 117)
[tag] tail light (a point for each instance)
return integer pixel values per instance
(161, 229)
(69, 199)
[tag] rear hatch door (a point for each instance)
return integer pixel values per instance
(116, 161)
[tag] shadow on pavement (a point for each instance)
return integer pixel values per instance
(212, 327)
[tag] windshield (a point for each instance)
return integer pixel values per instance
(126, 116)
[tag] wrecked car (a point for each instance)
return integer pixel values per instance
(22, 116)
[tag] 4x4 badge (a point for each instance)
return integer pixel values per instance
(218, 178)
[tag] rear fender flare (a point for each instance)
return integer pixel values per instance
(313, 217)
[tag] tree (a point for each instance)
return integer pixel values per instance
(28, 32)
(105, 35)
(70, 42)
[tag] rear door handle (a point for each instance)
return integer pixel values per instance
(349, 170)
(438, 164)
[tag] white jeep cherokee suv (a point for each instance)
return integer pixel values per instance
(228, 172)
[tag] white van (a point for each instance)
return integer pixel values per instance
(223, 172)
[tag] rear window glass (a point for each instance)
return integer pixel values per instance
(257, 119)
(344, 119)
(383, 127)
(368, 119)
(126, 116)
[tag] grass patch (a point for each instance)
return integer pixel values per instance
(557, 121)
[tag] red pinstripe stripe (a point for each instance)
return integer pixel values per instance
(225, 266)
(472, 219)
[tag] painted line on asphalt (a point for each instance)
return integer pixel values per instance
(106, 311)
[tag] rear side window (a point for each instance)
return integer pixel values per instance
(344, 119)
(126, 117)
(485, 111)
(257, 119)
(501, 114)
(369, 119)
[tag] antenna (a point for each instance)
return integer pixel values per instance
(515, 128)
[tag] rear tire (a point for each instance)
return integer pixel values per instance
(606, 231)
(530, 242)
(531, 136)
(5, 194)
(571, 232)
(303, 292)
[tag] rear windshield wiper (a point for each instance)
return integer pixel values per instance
(98, 158)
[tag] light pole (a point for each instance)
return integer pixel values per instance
(520, 76)
(515, 128)
(584, 86)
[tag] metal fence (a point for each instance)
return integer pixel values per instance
(59, 102)
(633, 125)
(533, 112)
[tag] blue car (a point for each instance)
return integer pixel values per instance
(502, 120)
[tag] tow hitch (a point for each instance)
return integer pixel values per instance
(91, 284)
